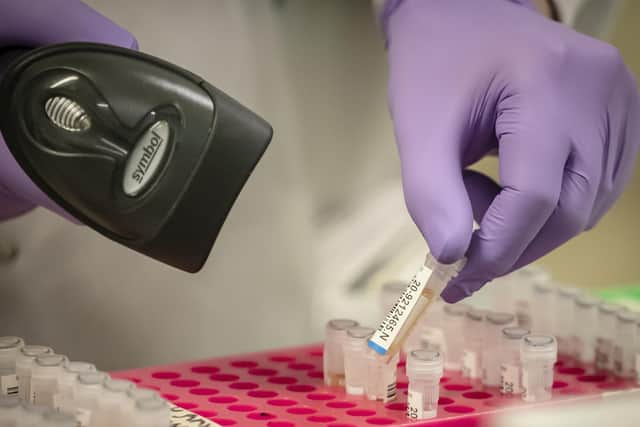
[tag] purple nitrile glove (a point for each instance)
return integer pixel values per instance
(34, 23)
(468, 77)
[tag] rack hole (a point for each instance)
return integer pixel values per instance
(379, 421)
(165, 375)
(301, 366)
(282, 380)
(445, 401)
(203, 391)
(596, 378)
(459, 409)
(320, 396)
(302, 410)
(457, 387)
(185, 383)
(241, 408)
(243, 386)
(477, 395)
(396, 406)
(205, 369)
(223, 421)
(321, 418)
(224, 377)
(262, 372)
(244, 364)
(187, 405)
(261, 416)
(301, 388)
(223, 399)
(282, 358)
(281, 402)
(262, 394)
(361, 412)
(341, 404)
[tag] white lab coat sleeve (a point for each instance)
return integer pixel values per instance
(592, 17)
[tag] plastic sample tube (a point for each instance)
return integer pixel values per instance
(472, 346)
(10, 411)
(543, 308)
(9, 349)
(143, 393)
(538, 354)
(380, 382)
(565, 315)
(586, 320)
(114, 406)
(454, 320)
(45, 375)
(526, 278)
(151, 413)
(333, 355)
(606, 335)
(67, 381)
(491, 350)
(24, 364)
(423, 289)
(424, 370)
(355, 359)
(510, 365)
(87, 394)
(625, 345)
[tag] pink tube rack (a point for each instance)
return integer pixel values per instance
(284, 388)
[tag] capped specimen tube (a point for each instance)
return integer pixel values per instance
(67, 381)
(9, 349)
(543, 313)
(114, 406)
(586, 321)
(380, 383)
(151, 412)
(624, 348)
(606, 335)
(45, 375)
(333, 355)
(453, 325)
(538, 354)
(510, 365)
(494, 323)
(355, 359)
(472, 344)
(86, 397)
(565, 318)
(24, 364)
(526, 279)
(423, 289)
(424, 370)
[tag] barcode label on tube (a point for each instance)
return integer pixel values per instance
(510, 379)
(391, 392)
(8, 385)
(183, 418)
(470, 364)
(386, 333)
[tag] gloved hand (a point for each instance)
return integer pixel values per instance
(34, 23)
(468, 77)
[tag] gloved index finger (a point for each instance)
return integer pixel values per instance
(36, 23)
(532, 161)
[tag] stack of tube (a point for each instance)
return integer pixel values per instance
(513, 348)
(39, 388)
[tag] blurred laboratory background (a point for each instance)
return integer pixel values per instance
(321, 224)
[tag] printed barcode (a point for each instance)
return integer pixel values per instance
(391, 391)
(12, 390)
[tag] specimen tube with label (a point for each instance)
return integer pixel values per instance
(538, 354)
(473, 342)
(333, 355)
(624, 348)
(45, 377)
(493, 326)
(355, 359)
(510, 365)
(424, 370)
(453, 325)
(24, 364)
(606, 335)
(423, 289)
(586, 320)
(9, 349)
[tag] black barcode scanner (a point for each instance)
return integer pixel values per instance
(142, 151)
